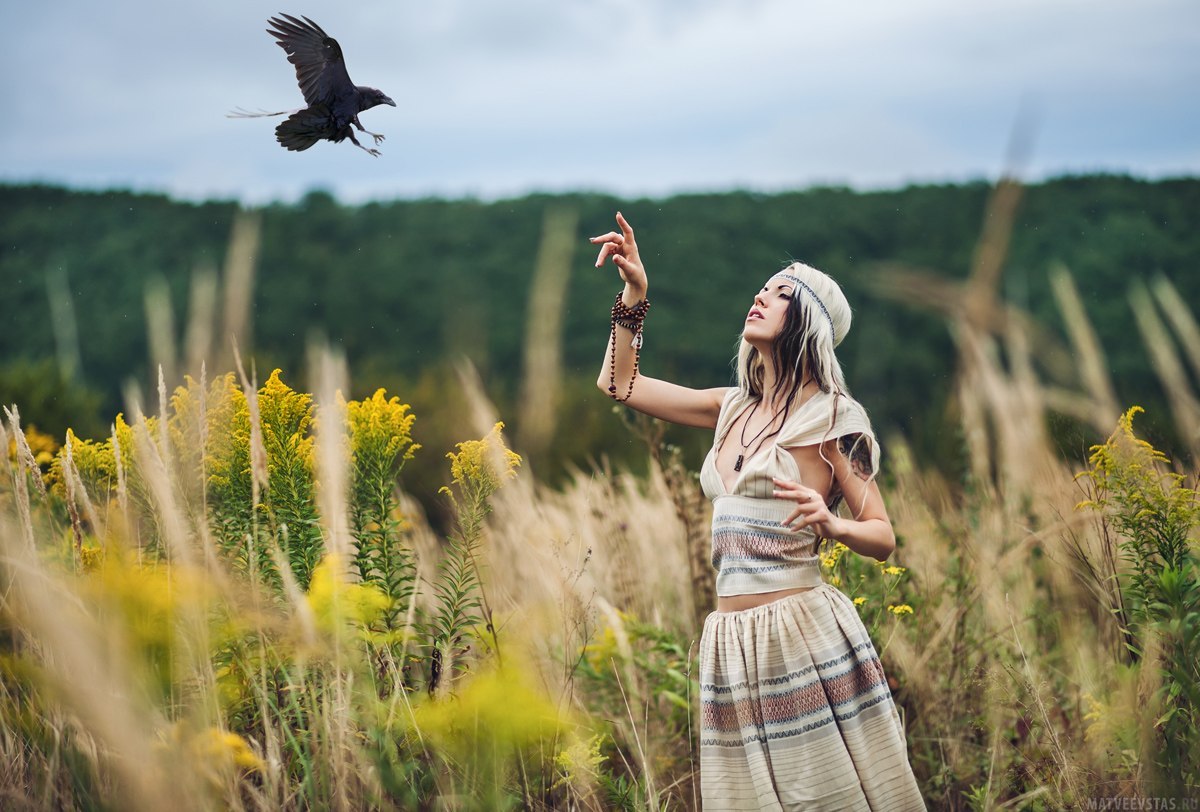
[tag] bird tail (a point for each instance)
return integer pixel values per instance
(238, 112)
(302, 129)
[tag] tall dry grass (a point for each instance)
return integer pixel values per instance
(170, 641)
(1021, 628)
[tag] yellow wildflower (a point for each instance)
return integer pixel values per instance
(227, 749)
(893, 570)
(900, 609)
(381, 427)
(227, 450)
(145, 602)
(335, 600)
(831, 556)
(93, 461)
(42, 446)
(480, 466)
(859, 601)
(579, 762)
(495, 712)
(286, 416)
(604, 649)
(91, 557)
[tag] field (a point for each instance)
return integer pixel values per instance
(230, 603)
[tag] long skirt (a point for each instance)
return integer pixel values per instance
(796, 711)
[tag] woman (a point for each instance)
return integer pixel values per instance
(795, 710)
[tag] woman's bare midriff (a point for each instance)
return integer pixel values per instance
(736, 603)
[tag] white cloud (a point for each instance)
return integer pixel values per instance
(634, 96)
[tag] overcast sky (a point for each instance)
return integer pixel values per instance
(629, 96)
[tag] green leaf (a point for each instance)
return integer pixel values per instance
(675, 699)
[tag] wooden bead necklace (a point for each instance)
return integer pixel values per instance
(631, 318)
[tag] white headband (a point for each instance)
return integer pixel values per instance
(800, 283)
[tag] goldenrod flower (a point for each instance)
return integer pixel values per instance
(831, 556)
(228, 749)
(495, 712)
(480, 466)
(93, 461)
(91, 557)
(286, 416)
(602, 650)
(381, 427)
(227, 451)
(335, 600)
(579, 762)
(42, 446)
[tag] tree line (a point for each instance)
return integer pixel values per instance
(405, 287)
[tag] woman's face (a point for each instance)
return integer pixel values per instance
(769, 312)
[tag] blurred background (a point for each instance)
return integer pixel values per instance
(1007, 191)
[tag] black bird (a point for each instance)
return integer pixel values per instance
(334, 102)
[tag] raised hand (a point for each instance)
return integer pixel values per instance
(622, 249)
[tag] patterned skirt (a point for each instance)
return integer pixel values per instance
(796, 712)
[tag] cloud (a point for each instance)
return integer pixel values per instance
(636, 97)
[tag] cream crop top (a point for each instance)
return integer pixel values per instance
(752, 551)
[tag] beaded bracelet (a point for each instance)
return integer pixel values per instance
(631, 318)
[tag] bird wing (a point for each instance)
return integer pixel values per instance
(317, 56)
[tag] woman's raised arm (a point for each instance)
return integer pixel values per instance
(619, 376)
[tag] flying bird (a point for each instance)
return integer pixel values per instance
(334, 101)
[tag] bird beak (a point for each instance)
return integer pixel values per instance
(387, 100)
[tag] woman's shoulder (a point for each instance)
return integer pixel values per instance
(732, 394)
(732, 399)
(825, 416)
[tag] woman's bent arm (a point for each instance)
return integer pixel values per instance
(618, 377)
(869, 533)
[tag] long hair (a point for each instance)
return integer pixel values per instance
(817, 319)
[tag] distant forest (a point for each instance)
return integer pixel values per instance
(404, 288)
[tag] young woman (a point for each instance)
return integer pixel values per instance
(795, 710)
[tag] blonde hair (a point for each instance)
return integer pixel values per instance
(817, 320)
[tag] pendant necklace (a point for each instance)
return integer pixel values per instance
(737, 465)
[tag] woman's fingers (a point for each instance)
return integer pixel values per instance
(605, 250)
(800, 519)
(622, 250)
(613, 243)
(792, 491)
(626, 229)
(786, 489)
(810, 511)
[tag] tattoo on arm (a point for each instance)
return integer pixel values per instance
(858, 450)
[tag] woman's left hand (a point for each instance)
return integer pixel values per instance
(811, 511)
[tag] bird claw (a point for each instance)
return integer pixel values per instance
(375, 152)
(378, 138)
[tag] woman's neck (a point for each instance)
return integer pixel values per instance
(774, 395)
